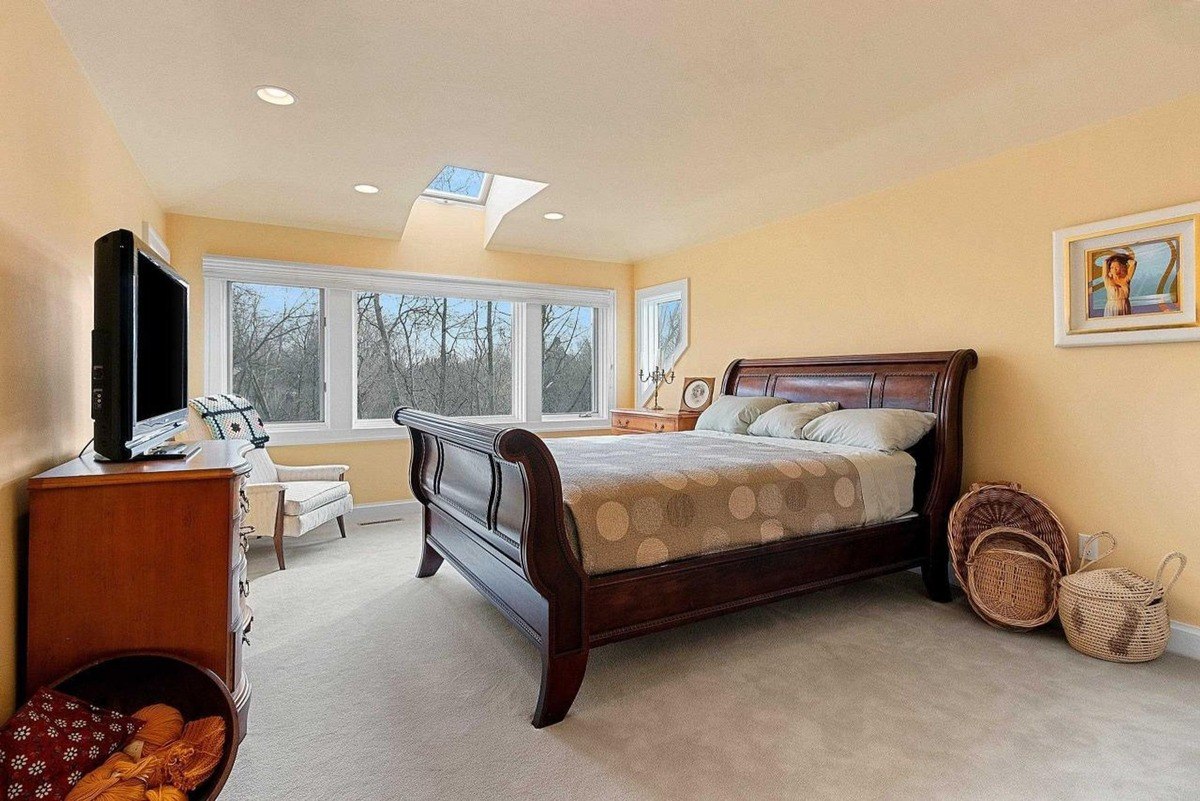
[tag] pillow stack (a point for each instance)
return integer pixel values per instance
(876, 429)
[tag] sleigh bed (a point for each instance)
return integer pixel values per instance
(494, 508)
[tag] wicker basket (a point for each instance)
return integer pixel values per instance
(1012, 579)
(1115, 614)
(991, 505)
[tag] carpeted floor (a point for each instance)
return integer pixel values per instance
(369, 683)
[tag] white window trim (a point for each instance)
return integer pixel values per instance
(646, 325)
(339, 286)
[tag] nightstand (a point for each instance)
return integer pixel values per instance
(645, 421)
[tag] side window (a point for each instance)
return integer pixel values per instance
(662, 327)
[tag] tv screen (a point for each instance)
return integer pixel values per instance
(139, 348)
(161, 373)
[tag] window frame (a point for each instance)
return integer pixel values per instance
(646, 302)
(339, 287)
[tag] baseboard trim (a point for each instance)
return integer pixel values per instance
(368, 513)
(1185, 640)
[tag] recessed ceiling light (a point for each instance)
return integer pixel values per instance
(553, 215)
(366, 189)
(275, 95)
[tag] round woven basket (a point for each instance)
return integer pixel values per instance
(991, 505)
(1012, 579)
(1116, 614)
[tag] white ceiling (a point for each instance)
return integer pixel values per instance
(656, 124)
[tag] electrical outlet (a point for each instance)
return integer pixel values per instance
(1090, 553)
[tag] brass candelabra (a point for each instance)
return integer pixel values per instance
(657, 377)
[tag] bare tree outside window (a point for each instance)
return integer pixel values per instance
(670, 316)
(276, 350)
(443, 355)
(459, 183)
(568, 360)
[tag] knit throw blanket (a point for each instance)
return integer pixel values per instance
(231, 417)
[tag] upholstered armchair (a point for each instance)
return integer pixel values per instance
(286, 501)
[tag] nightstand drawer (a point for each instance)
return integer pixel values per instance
(644, 421)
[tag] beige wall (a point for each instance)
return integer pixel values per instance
(441, 239)
(1109, 436)
(65, 180)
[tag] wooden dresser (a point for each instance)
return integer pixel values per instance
(139, 556)
(645, 421)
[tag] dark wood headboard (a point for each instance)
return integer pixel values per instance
(927, 382)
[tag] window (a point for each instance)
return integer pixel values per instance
(444, 355)
(328, 353)
(662, 330)
(568, 360)
(276, 358)
(461, 184)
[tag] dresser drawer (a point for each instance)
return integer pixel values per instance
(241, 505)
(239, 588)
(235, 659)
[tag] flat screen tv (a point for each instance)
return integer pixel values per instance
(139, 349)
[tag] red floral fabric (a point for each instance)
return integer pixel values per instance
(53, 741)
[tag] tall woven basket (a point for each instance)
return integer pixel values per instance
(990, 505)
(1115, 614)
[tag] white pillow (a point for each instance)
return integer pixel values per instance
(880, 429)
(733, 414)
(789, 419)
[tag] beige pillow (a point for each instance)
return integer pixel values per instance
(789, 419)
(733, 414)
(880, 429)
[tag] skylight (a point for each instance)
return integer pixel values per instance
(461, 184)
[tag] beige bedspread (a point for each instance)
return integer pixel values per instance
(636, 501)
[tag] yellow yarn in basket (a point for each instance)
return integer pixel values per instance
(161, 724)
(118, 779)
(191, 759)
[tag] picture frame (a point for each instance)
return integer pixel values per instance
(697, 393)
(1127, 280)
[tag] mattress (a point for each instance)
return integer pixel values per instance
(887, 477)
(645, 500)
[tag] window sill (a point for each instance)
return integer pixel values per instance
(382, 430)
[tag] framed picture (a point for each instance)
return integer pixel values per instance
(697, 394)
(1128, 280)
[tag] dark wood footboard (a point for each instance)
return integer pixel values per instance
(493, 508)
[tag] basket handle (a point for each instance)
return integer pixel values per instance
(1084, 562)
(1025, 554)
(1012, 485)
(1158, 582)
